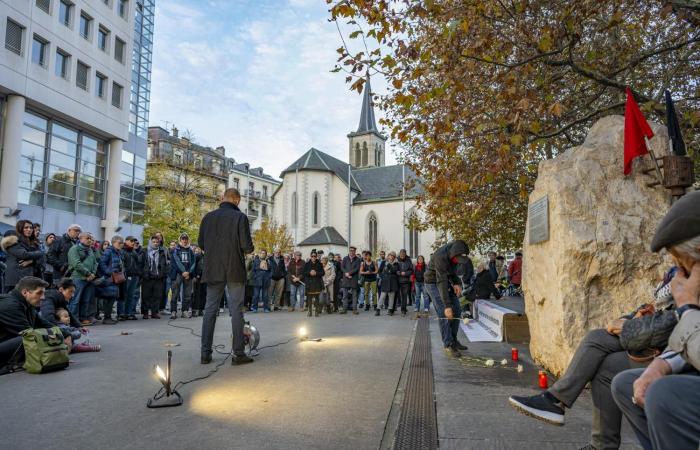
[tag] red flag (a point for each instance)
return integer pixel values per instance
(636, 127)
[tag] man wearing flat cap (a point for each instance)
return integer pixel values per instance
(662, 402)
(443, 285)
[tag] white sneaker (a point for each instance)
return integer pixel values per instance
(221, 310)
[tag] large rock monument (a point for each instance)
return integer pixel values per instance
(592, 227)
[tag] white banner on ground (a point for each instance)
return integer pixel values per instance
(489, 317)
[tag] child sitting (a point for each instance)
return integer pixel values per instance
(64, 323)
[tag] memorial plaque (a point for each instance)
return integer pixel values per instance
(538, 221)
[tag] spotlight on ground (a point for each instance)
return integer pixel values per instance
(303, 336)
(171, 397)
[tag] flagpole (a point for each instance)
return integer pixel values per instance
(349, 207)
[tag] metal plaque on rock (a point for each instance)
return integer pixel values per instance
(538, 221)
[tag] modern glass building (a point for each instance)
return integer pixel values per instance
(70, 149)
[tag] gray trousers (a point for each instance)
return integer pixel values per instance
(275, 293)
(186, 286)
(670, 417)
(236, 292)
(349, 292)
(598, 358)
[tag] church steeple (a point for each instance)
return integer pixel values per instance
(367, 143)
(367, 122)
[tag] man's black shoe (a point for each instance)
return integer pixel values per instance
(367, 307)
(539, 407)
(461, 346)
(242, 359)
(206, 358)
(108, 321)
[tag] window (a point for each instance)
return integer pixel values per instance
(62, 167)
(177, 157)
(13, 36)
(198, 161)
(315, 208)
(44, 5)
(295, 212)
(264, 210)
(39, 48)
(119, 50)
(33, 156)
(64, 12)
(251, 188)
(85, 25)
(413, 242)
(102, 38)
(372, 233)
(235, 182)
(62, 63)
(100, 85)
(123, 9)
(81, 75)
(365, 154)
(91, 173)
(117, 95)
(264, 192)
(357, 155)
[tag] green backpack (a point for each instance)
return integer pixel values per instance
(44, 350)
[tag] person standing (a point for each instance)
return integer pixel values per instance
(261, 281)
(390, 283)
(313, 276)
(418, 279)
(351, 270)
(444, 287)
(295, 275)
(278, 274)
(405, 272)
(335, 259)
(515, 269)
(82, 264)
(133, 269)
(224, 237)
(328, 282)
(24, 257)
(492, 266)
(199, 289)
(112, 263)
(154, 274)
(369, 270)
(57, 255)
(184, 262)
(48, 268)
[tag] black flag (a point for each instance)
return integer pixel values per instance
(674, 130)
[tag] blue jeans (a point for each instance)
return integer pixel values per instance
(81, 305)
(128, 306)
(293, 290)
(420, 292)
(260, 295)
(448, 328)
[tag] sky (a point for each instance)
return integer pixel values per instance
(254, 76)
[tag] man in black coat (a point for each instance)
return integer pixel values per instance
(279, 273)
(18, 311)
(224, 237)
(57, 255)
(350, 282)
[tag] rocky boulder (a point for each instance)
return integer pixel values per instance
(596, 264)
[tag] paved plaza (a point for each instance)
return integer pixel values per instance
(342, 393)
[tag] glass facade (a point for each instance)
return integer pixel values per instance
(61, 168)
(140, 97)
(132, 189)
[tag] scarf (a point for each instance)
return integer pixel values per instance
(153, 258)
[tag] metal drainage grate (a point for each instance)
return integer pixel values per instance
(417, 427)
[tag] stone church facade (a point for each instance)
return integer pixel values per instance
(325, 202)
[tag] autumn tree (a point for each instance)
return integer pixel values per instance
(481, 91)
(177, 198)
(272, 236)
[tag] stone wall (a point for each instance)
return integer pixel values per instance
(596, 264)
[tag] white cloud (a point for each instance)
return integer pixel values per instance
(255, 81)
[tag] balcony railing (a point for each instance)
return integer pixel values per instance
(256, 194)
(189, 163)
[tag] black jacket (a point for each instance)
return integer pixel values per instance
(52, 301)
(277, 266)
(224, 237)
(17, 315)
(57, 255)
(484, 286)
(21, 250)
(153, 271)
(133, 262)
(443, 273)
(314, 283)
(388, 276)
(352, 267)
(405, 266)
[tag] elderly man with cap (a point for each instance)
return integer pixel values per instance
(57, 255)
(443, 285)
(662, 402)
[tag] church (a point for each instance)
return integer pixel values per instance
(328, 204)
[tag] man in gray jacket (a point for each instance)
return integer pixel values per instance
(661, 401)
(224, 237)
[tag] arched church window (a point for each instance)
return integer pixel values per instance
(295, 211)
(357, 155)
(413, 242)
(372, 233)
(365, 154)
(316, 206)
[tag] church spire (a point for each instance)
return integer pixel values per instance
(367, 123)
